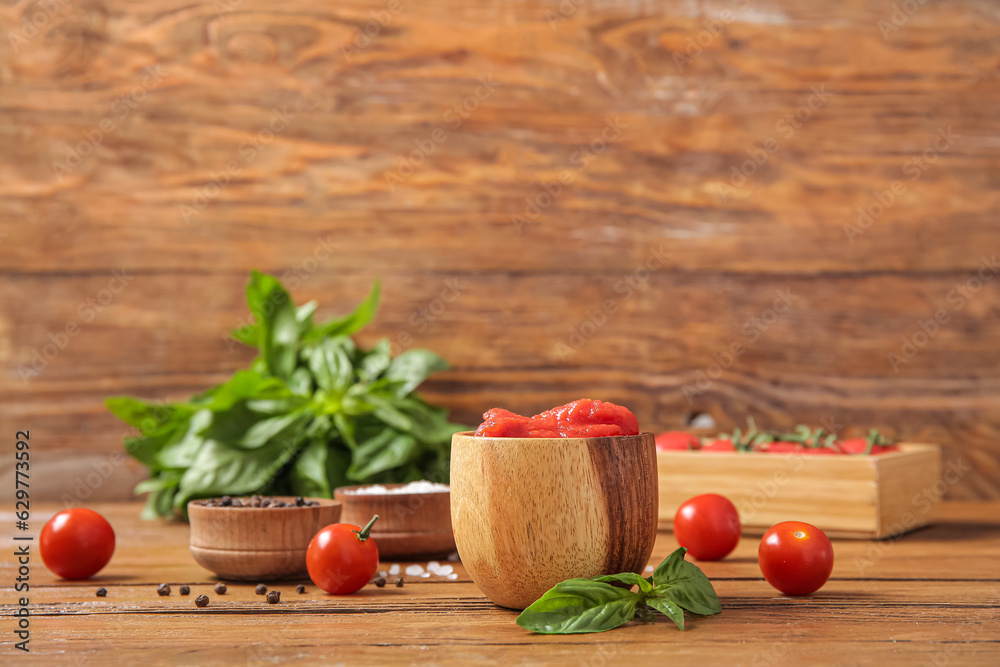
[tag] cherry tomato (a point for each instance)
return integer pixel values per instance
(76, 543)
(723, 445)
(676, 440)
(795, 557)
(342, 558)
(861, 446)
(708, 525)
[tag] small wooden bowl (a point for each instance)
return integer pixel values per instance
(531, 512)
(409, 525)
(257, 543)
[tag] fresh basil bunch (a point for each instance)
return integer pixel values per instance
(314, 412)
(595, 605)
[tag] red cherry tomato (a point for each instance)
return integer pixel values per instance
(76, 543)
(795, 557)
(860, 446)
(724, 445)
(676, 440)
(342, 558)
(708, 525)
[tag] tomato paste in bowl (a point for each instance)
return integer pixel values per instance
(583, 418)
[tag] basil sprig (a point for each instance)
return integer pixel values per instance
(314, 412)
(596, 605)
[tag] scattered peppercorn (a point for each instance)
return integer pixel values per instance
(274, 597)
(185, 589)
(300, 589)
(102, 592)
(399, 582)
(220, 589)
(380, 582)
(163, 589)
(260, 590)
(201, 601)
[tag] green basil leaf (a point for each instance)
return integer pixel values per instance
(383, 452)
(307, 476)
(248, 334)
(161, 490)
(428, 423)
(275, 313)
(345, 326)
(330, 363)
(355, 401)
(246, 428)
(164, 480)
(147, 417)
(338, 460)
(181, 451)
(243, 385)
(668, 607)
(387, 412)
(300, 382)
(644, 613)
(345, 425)
(304, 317)
(282, 427)
(144, 450)
(580, 605)
(270, 407)
(435, 463)
(413, 367)
(630, 578)
(220, 469)
(686, 584)
(375, 362)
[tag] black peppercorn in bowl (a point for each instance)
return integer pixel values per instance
(249, 539)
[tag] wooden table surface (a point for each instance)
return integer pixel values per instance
(929, 598)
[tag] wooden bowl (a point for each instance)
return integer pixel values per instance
(410, 525)
(257, 543)
(531, 512)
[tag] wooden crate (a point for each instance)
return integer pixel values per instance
(846, 496)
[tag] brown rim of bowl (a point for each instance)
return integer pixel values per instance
(472, 434)
(349, 490)
(323, 502)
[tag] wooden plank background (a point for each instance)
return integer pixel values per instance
(181, 144)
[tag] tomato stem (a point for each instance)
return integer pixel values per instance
(365, 532)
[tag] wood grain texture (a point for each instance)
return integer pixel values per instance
(115, 116)
(915, 600)
(867, 497)
(257, 544)
(531, 512)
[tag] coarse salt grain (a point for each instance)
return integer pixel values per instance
(425, 575)
(649, 568)
(453, 576)
(423, 486)
(414, 570)
(439, 569)
(394, 569)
